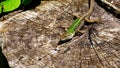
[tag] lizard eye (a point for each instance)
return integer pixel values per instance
(64, 39)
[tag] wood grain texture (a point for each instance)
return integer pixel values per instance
(31, 38)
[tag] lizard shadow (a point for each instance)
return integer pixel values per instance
(62, 42)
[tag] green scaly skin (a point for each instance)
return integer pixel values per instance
(72, 29)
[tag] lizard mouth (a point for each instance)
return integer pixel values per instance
(65, 38)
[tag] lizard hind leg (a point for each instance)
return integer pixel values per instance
(97, 20)
(83, 30)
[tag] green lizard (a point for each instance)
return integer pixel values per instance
(73, 28)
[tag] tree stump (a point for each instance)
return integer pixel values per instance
(30, 38)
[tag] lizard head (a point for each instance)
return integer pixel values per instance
(66, 36)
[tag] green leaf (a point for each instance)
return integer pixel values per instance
(9, 5)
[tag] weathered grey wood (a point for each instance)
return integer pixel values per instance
(30, 38)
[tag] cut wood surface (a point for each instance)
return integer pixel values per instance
(30, 38)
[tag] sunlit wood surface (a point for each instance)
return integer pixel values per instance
(30, 38)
